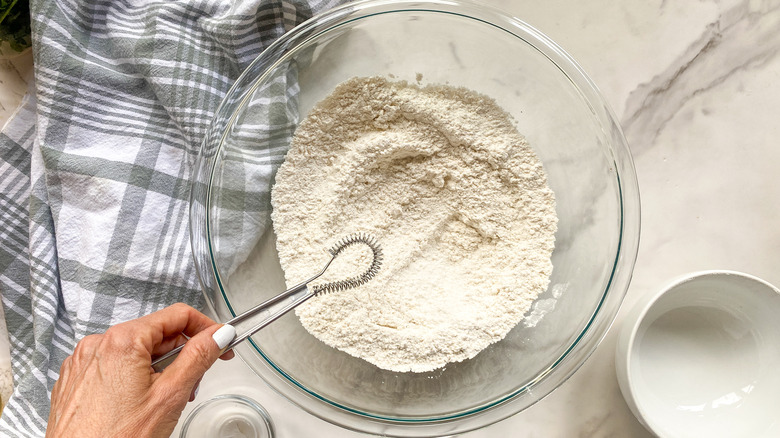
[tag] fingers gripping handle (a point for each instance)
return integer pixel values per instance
(252, 320)
(222, 337)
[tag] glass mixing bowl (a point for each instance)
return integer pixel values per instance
(556, 107)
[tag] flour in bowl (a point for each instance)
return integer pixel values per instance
(454, 194)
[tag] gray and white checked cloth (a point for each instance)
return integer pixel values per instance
(95, 169)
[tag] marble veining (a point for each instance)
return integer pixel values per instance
(746, 36)
(15, 75)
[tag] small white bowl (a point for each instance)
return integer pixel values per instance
(701, 358)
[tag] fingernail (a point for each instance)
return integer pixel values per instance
(224, 335)
(195, 394)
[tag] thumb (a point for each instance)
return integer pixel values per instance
(197, 356)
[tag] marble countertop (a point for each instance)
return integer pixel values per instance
(696, 86)
(16, 73)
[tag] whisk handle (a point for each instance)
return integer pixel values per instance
(273, 309)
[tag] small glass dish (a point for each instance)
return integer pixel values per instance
(555, 106)
(228, 415)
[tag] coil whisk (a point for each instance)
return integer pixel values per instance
(357, 280)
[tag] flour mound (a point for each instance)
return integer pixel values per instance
(454, 194)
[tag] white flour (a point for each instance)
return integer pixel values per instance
(457, 199)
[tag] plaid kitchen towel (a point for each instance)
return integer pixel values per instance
(95, 169)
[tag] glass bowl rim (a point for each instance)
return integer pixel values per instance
(598, 324)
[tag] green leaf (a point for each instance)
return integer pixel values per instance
(15, 23)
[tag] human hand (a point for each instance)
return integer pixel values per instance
(108, 388)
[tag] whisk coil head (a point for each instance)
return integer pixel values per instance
(370, 272)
